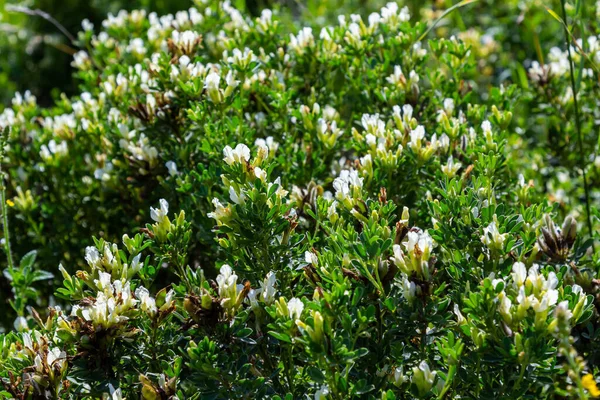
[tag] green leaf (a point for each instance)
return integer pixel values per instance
(244, 332)
(42, 276)
(554, 15)
(284, 337)
(315, 374)
(28, 259)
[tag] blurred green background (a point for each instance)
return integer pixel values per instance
(36, 56)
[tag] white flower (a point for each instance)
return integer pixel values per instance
(348, 185)
(185, 40)
(449, 106)
(227, 286)
(147, 302)
(397, 78)
(407, 111)
(20, 324)
(295, 307)
(451, 167)
(237, 198)
(103, 174)
(53, 150)
(303, 40)
(104, 283)
(92, 256)
(232, 83)
(241, 59)
(332, 209)
(114, 394)
(280, 192)
(27, 342)
(265, 20)
(159, 215)
(212, 80)
(562, 311)
(519, 273)
(135, 264)
(87, 25)
(241, 154)
(322, 393)
(538, 72)
(373, 124)
(270, 144)
(252, 298)
(56, 356)
(416, 137)
(459, 317)
(136, 46)
(399, 376)
(504, 307)
(492, 237)
(418, 246)
(409, 289)
(267, 288)
(260, 174)
(81, 60)
(524, 301)
(221, 212)
(390, 15)
(172, 168)
(486, 127)
(423, 377)
(311, 258)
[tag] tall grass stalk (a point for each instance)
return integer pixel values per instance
(577, 122)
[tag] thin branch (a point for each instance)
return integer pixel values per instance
(3, 205)
(43, 14)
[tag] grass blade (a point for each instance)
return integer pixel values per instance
(448, 11)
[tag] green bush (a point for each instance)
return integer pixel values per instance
(385, 206)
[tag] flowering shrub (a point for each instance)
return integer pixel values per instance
(233, 208)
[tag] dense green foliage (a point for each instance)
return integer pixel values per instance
(384, 206)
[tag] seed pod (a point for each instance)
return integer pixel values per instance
(569, 230)
(556, 243)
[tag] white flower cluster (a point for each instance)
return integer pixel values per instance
(266, 292)
(114, 302)
(140, 149)
(324, 121)
(228, 288)
(240, 156)
(112, 306)
(110, 262)
(49, 363)
(384, 143)
(531, 290)
(558, 61)
(53, 151)
(398, 80)
(212, 84)
(348, 188)
(302, 41)
(414, 260)
(492, 237)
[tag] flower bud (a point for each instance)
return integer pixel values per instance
(423, 378)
